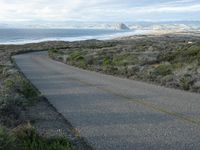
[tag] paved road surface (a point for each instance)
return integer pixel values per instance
(114, 113)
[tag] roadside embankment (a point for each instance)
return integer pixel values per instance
(171, 60)
(27, 119)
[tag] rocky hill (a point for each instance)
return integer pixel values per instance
(122, 26)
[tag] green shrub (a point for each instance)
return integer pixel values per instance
(77, 59)
(107, 61)
(185, 82)
(187, 54)
(1, 69)
(53, 51)
(28, 91)
(16, 94)
(28, 139)
(120, 61)
(81, 64)
(76, 56)
(168, 56)
(181, 54)
(163, 70)
(125, 59)
(192, 51)
(9, 85)
(18, 84)
(198, 59)
(7, 140)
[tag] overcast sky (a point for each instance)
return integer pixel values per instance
(99, 10)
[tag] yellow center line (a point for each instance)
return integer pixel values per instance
(177, 115)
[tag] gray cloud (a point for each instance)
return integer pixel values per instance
(93, 10)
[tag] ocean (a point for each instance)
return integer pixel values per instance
(22, 36)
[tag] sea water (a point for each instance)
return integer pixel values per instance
(22, 36)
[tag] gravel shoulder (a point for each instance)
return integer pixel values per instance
(49, 123)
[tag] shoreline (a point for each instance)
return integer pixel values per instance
(157, 33)
(116, 36)
(72, 38)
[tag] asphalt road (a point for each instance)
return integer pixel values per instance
(113, 113)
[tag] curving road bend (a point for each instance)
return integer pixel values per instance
(112, 113)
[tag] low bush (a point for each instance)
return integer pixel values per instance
(76, 56)
(125, 59)
(16, 94)
(7, 140)
(185, 82)
(26, 138)
(1, 69)
(28, 91)
(107, 61)
(16, 83)
(163, 70)
(53, 51)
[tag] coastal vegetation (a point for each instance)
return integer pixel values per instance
(167, 60)
(26, 138)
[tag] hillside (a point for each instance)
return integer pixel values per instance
(168, 60)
